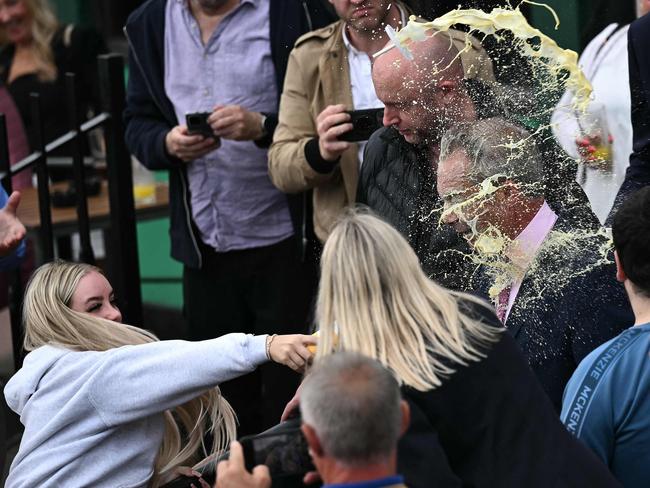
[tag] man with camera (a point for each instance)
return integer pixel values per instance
(237, 236)
(329, 75)
(353, 415)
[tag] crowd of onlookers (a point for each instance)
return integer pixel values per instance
(475, 327)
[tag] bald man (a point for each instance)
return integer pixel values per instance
(423, 98)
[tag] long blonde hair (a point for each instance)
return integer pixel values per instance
(44, 27)
(375, 299)
(48, 319)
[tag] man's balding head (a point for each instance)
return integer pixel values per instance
(417, 92)
(352, 411)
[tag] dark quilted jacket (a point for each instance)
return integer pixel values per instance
(399, 185)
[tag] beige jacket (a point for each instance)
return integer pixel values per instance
(318, 75)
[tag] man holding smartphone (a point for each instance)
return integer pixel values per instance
(329, 74)
(236, 234)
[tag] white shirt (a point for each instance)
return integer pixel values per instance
(605, 64)
(363, 91)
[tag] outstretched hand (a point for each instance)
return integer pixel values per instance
(291, 350)
(232, 473)
(12, 231)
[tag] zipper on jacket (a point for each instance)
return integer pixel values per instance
(303, 224)
(183, 179)
(188, 218)
(306, 9)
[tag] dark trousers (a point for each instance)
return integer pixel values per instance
(263, 290)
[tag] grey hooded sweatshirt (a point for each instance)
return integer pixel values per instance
(94, 419)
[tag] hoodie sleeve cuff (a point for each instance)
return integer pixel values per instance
(315, 160)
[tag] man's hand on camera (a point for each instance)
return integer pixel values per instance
(232, 473)
(188, 147)
(236, 123)
(330, 124)
(12, 230)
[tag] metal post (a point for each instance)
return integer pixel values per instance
(15, 298)
(125, 269)
(42, 176)
(87, 254)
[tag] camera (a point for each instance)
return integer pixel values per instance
(364, 123)
(282, 448)
(197, 123)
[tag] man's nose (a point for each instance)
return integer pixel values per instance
(449, 217)
(390, 117)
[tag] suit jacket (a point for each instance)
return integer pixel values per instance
(568, 304)
(638, 173)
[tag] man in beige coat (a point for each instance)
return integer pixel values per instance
(329, 73)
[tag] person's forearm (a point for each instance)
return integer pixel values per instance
(136, 381)
(289, 168)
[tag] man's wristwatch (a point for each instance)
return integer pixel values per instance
(263, 124)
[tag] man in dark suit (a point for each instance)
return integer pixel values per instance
(550, 280)
(638, 173)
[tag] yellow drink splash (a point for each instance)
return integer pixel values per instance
(555, 59)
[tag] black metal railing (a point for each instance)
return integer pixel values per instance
(122, 250)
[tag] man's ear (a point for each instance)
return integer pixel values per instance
(620, 272)
(315, 447)
(406, 417)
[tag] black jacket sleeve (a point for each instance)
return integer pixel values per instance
(638, 172)
(146, 127)
(639, 67)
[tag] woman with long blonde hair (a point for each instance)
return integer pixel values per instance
(107, 404)
(479, 416)
(36, 52)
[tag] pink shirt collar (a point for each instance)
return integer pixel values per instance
(524, 248)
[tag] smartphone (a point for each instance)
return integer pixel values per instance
(283, 450)
(364, 123)
(197, 123)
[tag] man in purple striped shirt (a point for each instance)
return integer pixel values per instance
(233, 230)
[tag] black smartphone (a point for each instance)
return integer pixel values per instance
(197, 123)
(364, 123)
(284, 451)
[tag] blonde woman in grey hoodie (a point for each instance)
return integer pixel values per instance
(106, 404)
